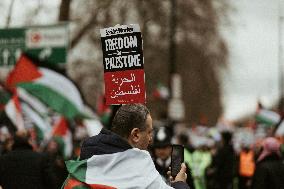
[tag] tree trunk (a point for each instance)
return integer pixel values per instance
(10, 14)
(64, 12)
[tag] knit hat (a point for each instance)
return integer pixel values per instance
(270, 146)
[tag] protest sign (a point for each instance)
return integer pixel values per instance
(123, 64)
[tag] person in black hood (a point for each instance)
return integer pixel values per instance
(119, 158)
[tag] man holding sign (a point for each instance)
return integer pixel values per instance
(119, 159)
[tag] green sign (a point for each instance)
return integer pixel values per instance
(48, 43)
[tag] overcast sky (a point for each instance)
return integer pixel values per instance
(253, 45)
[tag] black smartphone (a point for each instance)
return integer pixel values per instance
(177, 158)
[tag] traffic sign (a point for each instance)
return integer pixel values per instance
(48, 43)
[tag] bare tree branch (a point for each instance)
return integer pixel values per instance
(93, 21)
(83, 30)
(10, 13)
(141, 8)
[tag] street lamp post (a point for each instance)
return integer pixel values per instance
(280, 54)
(175, 106)
(280, 51)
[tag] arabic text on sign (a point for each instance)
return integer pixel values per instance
(120, 81)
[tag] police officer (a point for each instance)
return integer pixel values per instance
(162, 150)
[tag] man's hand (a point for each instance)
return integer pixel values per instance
(181, 176)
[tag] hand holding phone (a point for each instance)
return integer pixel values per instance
(177, 158)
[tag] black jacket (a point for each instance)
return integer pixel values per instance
(23, 168)
(107, 142)
(224, 163)
(269, 173)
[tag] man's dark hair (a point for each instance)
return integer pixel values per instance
(128, 117)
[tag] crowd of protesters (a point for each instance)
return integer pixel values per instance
(216, 157)
(228, 158)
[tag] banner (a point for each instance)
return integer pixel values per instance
(123, 64)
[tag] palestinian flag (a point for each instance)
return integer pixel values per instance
(93, 126)
(107, 161)
(50, 87)
(161, 92)
(4, 98)
(63, 136)
(13, 110)
(33, 102)
(41, 124)
(36, 114)
(121, 171)
(280, 129)
(73, 183)
(267, 117)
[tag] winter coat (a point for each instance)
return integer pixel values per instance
(269, 173)
(113, 163)
(225, 164)
(23, 168)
